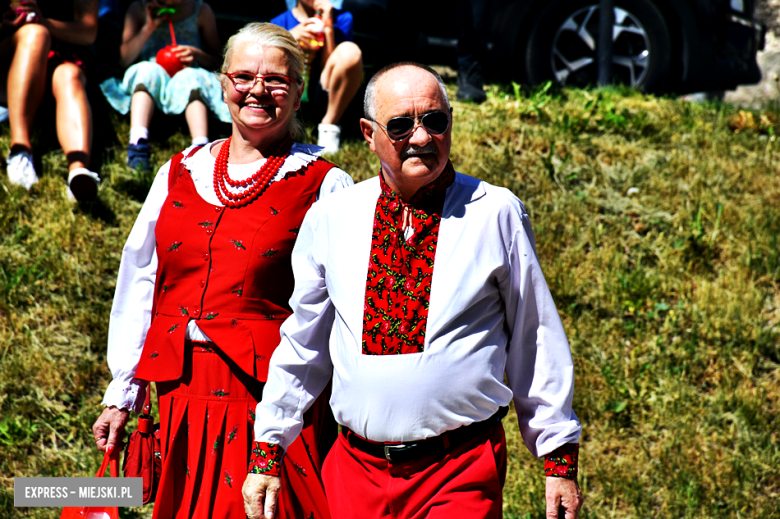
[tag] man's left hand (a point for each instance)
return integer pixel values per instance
(563, 493)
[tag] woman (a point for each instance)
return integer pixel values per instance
(208, 265)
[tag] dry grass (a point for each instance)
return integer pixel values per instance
(657, 227)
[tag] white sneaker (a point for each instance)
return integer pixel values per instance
(21, 170)
(82, 184)
(329, 137)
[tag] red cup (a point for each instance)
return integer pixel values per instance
(168, 60)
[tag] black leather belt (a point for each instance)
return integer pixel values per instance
(403, 452)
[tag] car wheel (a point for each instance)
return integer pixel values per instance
(563, 45)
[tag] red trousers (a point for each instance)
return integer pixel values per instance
(465, 481)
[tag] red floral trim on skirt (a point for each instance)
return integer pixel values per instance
(563, 461)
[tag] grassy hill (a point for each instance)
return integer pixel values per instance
(657, 226)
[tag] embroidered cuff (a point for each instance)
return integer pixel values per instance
(266, 459)
(562, 462)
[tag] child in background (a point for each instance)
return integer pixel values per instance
(193, 90)
(338, 60)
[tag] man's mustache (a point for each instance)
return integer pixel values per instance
(428, 148)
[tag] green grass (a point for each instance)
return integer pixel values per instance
(657, 226)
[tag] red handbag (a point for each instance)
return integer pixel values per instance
(143, 458)
(96, 512)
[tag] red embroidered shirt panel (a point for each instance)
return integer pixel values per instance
(400, 268)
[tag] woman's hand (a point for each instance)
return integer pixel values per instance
(110, 426)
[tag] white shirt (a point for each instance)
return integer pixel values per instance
(132, 308)
(490, 313)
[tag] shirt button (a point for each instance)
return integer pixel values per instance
(205, 257)
(196, 311)
(202, 283)
(217, 209)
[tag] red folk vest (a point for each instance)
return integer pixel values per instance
(229, 269)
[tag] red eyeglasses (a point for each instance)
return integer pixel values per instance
(244, 81)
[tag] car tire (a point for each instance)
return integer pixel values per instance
(562, 45)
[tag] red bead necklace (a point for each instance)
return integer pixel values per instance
(256, 184)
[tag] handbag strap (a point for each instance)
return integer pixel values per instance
(113, 460)
(147, 409)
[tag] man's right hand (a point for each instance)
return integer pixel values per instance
(261, 495)
(109, 428)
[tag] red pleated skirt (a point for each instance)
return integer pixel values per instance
(206, 425)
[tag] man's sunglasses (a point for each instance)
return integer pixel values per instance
(399, 128)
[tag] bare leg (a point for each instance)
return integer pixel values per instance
(141, 109)
(341, 77)
(74, 115)
(197, 116)
(29, 47)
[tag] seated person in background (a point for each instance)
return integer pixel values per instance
(193, 90)
(337, 57)
(40, 47)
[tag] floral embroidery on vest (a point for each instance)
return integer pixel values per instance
(173, 247)
(563, 461)
(400, 269)
(228, 479)
(266, 459)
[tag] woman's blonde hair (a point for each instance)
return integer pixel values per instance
(269, 35)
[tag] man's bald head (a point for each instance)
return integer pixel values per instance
(370, 99)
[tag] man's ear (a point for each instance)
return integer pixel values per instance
(367, 128)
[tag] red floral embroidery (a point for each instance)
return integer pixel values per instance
(563, 461)
(398, 286)
(266, 459)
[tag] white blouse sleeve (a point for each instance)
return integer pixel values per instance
(335, 180)
(131, 311)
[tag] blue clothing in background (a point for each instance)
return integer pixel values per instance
(335, 3)
(108, 7)
(342, 23)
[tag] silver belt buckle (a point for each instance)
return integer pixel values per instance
(391, 449)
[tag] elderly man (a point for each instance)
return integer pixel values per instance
(417, 291)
